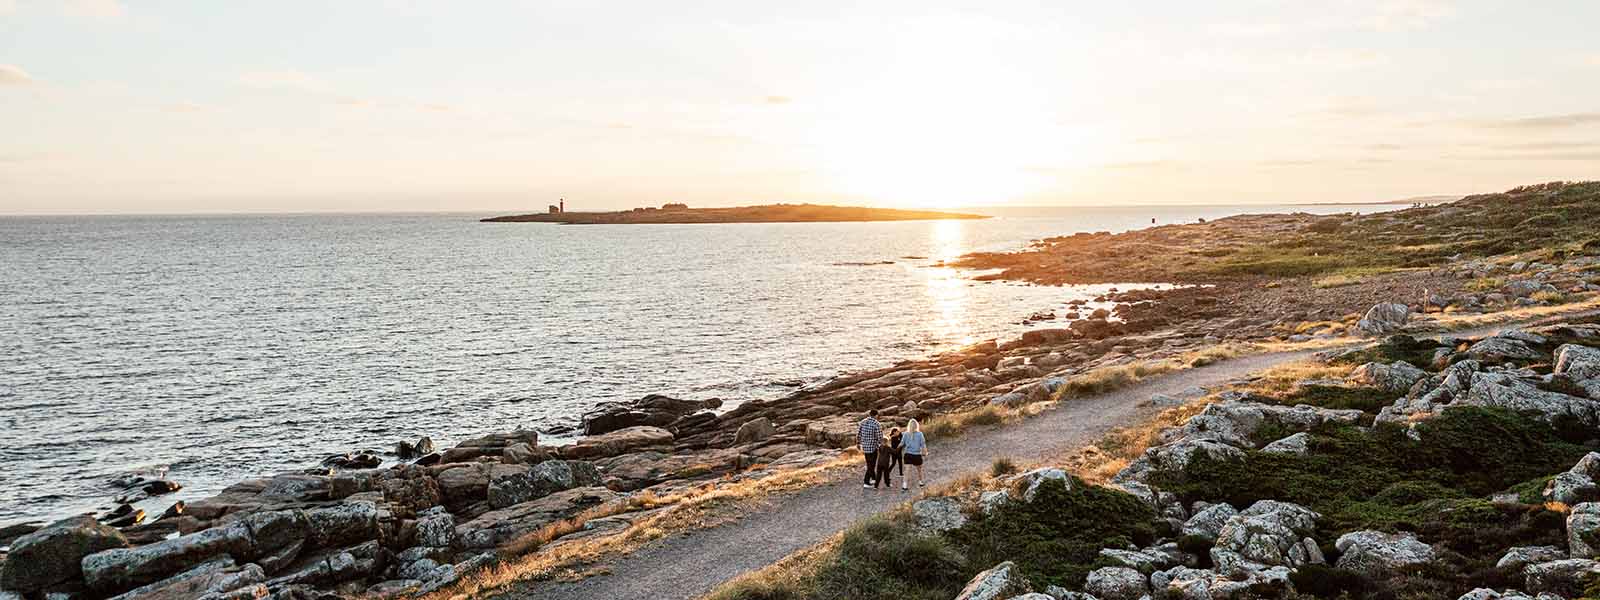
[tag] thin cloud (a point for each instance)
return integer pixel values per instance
(283, 79)
(14, 75)
(1411, 14)
(94, 9)
(438, 107)
(778, 99)
(7, 7)
(1542, 123)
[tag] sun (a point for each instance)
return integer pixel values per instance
(942, 131)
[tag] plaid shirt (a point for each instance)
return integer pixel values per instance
(868, 434)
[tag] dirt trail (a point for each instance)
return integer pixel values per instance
(688, 566)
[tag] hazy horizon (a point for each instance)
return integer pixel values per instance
(190, 107)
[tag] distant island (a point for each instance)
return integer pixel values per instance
(770, 213)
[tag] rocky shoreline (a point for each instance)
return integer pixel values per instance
(351, 529)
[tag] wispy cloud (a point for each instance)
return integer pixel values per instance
(1540, 123)
(1410, 14)
(95, 9)
(14, 75)
(778, 99)
(283, 79)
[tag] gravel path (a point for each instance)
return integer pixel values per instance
(690, 565)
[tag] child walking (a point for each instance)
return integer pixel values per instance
(886, 462)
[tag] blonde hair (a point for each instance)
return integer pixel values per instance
(913, 425)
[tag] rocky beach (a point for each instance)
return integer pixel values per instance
(354, 527)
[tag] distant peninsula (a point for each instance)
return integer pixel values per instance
(770, 213)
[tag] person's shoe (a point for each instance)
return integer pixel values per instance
(921, 484)
(866, 485)
(903, 486)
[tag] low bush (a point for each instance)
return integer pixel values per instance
(1056, 539)
(1364, 399)
(1395, 347)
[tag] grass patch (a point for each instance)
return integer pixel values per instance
(1396, 347)
(1056, 539)
(1549, 297)
(1364, 399)
(1002, 467)
(1486, 284)
(1349, 276)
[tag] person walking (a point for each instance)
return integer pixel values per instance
(915, 446)
(896, 448)
(885, 465)
(869, 436)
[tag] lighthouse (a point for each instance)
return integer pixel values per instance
(563, 205)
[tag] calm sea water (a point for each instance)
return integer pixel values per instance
(215, 348)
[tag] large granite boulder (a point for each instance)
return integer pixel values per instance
(1583, 530)
(1518, 557)
(1384, 319)
(621, 441)
(124, 568)
(1377, 554)
(654, 410)
(639, 470)
(758, 429)
(52, 555)
(938, 514)
(1207, 523)
(1173, 459)
(1499, 349)
(1116, 583)
(1397, 376)
(211, 579)
(1578, 484)
(1268, 534)
(832, 432)
(1031, 481)
(541, 480)
(497, 527)
(1239, 423)
(1507, 391)
(436, 528)
(999, 582)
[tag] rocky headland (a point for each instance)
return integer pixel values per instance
(769, 213)
(421, 520)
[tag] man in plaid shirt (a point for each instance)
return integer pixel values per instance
(867, 436)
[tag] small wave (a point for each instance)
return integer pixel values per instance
(863, 264)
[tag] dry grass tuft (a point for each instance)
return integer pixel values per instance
(705, 506)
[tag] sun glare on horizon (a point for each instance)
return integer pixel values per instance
(941, 128)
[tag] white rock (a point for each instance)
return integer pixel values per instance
(1384, 319)
(993, 583)
(1583, 530)
(941, 513)
(1375, 553)
(1299, 444)
(1116, 583)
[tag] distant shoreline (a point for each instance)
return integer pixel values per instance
(772, 213)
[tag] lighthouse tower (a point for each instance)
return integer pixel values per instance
(563, 205)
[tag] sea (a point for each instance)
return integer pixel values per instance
(210, 349)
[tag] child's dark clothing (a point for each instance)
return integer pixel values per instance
(896, 449)
(886, 461)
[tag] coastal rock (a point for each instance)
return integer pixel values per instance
(123, 568)
(1521, 556)
(1297, 444)
(1397, 376)
(1208, 522)
(938, 514)
(207, 580)
(1563, 577)
(654, 410)
(1268, 534)
(1499, 349)
(343, 523)
(639, 470)
(1173, 459)
(1376, 554)
(1489, 594)
(411, 492)
(541, 480)
(493, 444)
(1116, 583)
(1576, 485)
(1236, 422)
(1031, 481)
(1580, 363)
(356, 562)
(497, 527)
(436, 528)
(832, 432)
(992, 500)
(758, 429)
(1583, 530)
(1506, 391)
(998, 582)
(621, 441)
(52, 555)
(1384, 319)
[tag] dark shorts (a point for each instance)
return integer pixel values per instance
(914, 459)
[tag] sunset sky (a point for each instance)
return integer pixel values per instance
(207, 106)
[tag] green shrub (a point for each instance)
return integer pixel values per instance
(1056, 539)
(1327, 582)
(1395, 347)
(880, 558)
(1339, 397)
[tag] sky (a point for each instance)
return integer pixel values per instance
(178, 106)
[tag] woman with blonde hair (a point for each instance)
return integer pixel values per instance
(915, 448)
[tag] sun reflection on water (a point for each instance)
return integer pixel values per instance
(946, 287)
